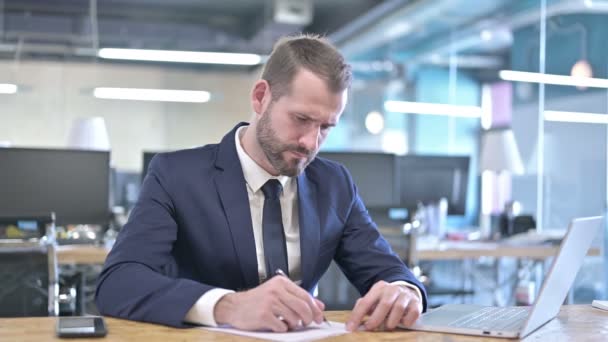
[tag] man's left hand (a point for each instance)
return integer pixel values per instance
(388, 304)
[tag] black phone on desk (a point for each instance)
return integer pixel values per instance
(83, 326)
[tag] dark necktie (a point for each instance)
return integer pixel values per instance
(275, 251)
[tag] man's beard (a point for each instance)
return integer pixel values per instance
(274, 149)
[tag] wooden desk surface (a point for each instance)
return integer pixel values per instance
(85, 254)
(574, 323)
(467, 250)
(81, 254)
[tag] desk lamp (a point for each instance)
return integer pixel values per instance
(499, 159)
(89, 134)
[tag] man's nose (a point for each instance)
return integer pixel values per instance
(310, 140)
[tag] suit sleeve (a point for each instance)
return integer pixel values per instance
(138, 281)
(364, 255)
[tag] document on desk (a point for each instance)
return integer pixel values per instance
(310, 333)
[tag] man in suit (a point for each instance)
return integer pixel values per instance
(213, 225)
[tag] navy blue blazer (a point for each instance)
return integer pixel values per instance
(190, 231)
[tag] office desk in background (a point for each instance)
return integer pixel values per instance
(574, 323)
(450, 250)
(462, 250)
(89, 254)
(81, 254)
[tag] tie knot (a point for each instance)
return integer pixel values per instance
(272, 189)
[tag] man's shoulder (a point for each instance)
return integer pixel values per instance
(195, 153)
(186, 159)
(326, 170)
(334, 184)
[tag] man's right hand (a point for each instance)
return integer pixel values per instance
(278, 304)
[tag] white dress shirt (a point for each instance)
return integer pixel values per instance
(256, 177)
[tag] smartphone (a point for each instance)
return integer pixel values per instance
(86, 326)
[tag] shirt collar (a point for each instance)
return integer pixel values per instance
(254, 174)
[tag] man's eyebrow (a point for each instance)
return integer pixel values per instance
(308, 117)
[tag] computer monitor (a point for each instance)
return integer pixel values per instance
(427, 179)
(374, 174)
(72, 183)
(124, 188)
(147, 158)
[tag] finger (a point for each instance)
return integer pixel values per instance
(397, 311)
(298, 306)
(357, 314)
(316, 313)
(272, 322)
(412, 313)
(383, 308)
(320, 304)
(362, 307)
(284, 313)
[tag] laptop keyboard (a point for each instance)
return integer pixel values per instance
(493, 318)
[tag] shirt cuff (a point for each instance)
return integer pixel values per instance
(413, 287)
(202, 311)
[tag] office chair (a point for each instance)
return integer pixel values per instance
(407, 245)
(510, 226)
(336, 291)
(28, 266)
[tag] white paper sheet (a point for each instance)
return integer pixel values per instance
(311, 333)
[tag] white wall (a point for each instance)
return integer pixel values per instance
(52, 94)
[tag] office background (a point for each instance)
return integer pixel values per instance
(486, 62)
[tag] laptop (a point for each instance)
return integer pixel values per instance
(520, 321)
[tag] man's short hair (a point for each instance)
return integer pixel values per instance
(311, 52)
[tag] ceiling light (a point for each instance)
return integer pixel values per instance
(433, 109)
(181, 56)
(582, 68)
(152, 94)
(398, 30)
(7, 88)
(575, 117)
(534, 77)
(486, 35)
(394, 141)
(374, 122)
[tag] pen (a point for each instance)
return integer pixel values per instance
(281, 273)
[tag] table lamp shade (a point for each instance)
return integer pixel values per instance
(499, 152)
(89, 134)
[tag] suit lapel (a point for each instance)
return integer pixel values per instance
(309, 228)
(232, 190)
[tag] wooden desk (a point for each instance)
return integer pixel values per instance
(574, 323)
(81, 254)
(468, 250)
(86, 254)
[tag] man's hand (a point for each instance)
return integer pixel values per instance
(278, 304)
(386, 303)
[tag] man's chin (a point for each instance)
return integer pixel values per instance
(295, 169)
(293, 166)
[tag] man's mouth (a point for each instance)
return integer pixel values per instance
(299, 155)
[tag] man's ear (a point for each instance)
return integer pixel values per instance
(260, 96)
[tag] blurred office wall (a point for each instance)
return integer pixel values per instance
(52, 94)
